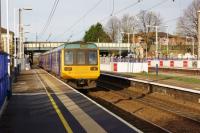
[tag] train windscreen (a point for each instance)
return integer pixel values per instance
(68, 58)
(81, 58)
(92, 55)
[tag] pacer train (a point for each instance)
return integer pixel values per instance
(76, 63)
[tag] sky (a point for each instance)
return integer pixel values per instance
(68, 12)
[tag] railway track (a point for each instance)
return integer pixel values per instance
(189, 118)
(142, 124)
(152, 102)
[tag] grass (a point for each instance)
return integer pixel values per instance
(152, 76)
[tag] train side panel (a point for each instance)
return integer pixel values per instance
(56, 62)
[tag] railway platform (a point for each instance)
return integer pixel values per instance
(174, 78)
(42, 103)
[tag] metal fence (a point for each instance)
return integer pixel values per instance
(171, 58)
(5, 85)
(107, 60)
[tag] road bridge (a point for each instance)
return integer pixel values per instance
(45, 46)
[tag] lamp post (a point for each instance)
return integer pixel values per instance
(15, 42)
(21, 38)
(8, 35)
(167, 42)
(156, 27)
(198, 57)
(24, 40)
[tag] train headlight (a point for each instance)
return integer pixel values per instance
(94, 68)
(68, 68)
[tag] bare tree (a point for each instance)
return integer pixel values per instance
(113, 27)
(187, 24)
(145, 21)
(148, 18)
(128, 23)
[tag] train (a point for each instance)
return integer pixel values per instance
(76, 63)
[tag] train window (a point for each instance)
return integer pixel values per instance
(80, 57)
(92, 57)
(68, 57)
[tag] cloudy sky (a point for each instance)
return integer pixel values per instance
(65, 23)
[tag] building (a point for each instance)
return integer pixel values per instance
(176, 44)
(4, 41)
(162, 39)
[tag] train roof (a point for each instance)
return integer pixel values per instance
(80, 45)
(74, 46)
(77, 46)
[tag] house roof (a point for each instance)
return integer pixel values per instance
(160, 34)
(3, 30)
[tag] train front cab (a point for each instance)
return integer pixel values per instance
(82, 66)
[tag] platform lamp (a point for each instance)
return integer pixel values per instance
(8, 35)
(21, 55)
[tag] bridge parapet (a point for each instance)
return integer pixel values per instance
(44, 46)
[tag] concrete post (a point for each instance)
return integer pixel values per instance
(193, 47)
(20, 35)
(167, 43)
(156, 42)
(15, 43)
(198, 57)
(128, 42)
(133, 44)
(8, 35)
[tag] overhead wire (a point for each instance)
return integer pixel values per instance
(112, 13)
(80, 19)
(48, 22)
(113, 7)
(121, 10)
(156, 5)
(127, 7)
(130, 6)
(170, 20)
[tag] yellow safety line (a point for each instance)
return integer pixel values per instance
(63, 120)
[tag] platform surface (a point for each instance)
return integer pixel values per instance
(43, 104)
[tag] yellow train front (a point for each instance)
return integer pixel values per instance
(77, 63)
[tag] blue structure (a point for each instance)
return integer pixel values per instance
(5, 85)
